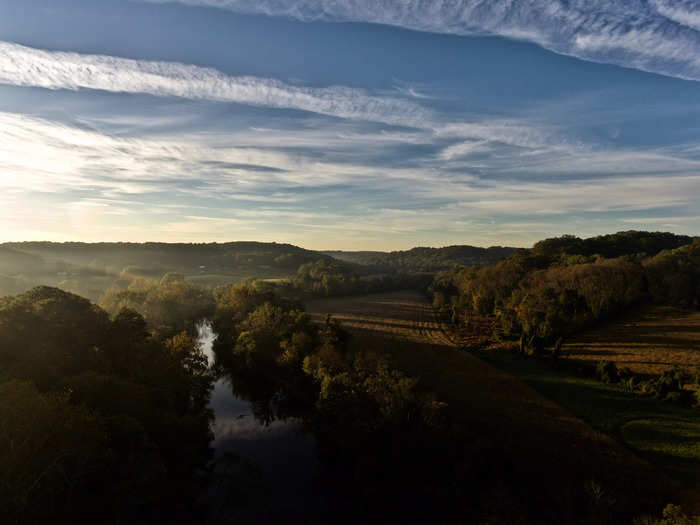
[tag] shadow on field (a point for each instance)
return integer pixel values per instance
(552, 456)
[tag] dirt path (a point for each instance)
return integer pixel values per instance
(495, 407)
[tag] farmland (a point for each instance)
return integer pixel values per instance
(647, 341)
(494, 407)
(402, 315)
(659, 431)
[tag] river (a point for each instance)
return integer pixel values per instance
(284, 454)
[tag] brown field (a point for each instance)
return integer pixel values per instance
(648, 341)
(494, 408)
(403, 315)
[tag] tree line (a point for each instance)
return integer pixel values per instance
(559, 286)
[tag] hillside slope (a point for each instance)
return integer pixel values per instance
(538, 439)
(152, 257)
(424, 259)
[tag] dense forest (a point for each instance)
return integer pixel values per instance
(89, 406)
(424, 259)
(565, 284)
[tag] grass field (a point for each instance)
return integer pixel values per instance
(492, 406)
(661, 432)
(215, 279)
(212, 279)
(647, 341)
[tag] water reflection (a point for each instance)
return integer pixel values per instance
(238, 416)
(206, 337)
(250, 423)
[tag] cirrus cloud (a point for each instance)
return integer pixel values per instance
(26, 66)
(660, 36)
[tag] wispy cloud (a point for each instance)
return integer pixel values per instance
(684, 12)
(660, 36)
(26, 66)
(62, 181)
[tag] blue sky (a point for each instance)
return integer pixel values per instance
(352, 125)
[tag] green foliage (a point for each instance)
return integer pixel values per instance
(663, 433)
(361, 392)
(90, 270)
(606, 371)
(234, 303)
(169, 307)
(674, 276)
(557, 351)
(50, 451)
(425, 259)
(91, 406)
(47, 333)
(566, 284)
(172, 278)
(672, 515)
(670, 386)
(10, 285)
(272, 334)
(153, 259)
(612, 245)
(326, 278)
(561, 300)
(364, 412)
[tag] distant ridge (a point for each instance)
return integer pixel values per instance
(425, 259)
(157, 257)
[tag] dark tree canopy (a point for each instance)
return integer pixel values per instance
(102, 407)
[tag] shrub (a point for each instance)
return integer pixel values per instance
(606, 371)
(626, 373)
(672, 515)
(630, 384)
(557, 352)
(535, 346)
(670, 386)
(683, 397)
(669, 382)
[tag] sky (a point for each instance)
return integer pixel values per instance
(348, 124)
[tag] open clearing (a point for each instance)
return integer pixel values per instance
(495, 408)
(403, 315)
(648, 342)
(663, 433)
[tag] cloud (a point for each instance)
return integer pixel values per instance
(513, 132)
(463, 149)
(62, 182)
(664, 220)
(684, 12)
(26, 66)
(660, 36)
(46, 156)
